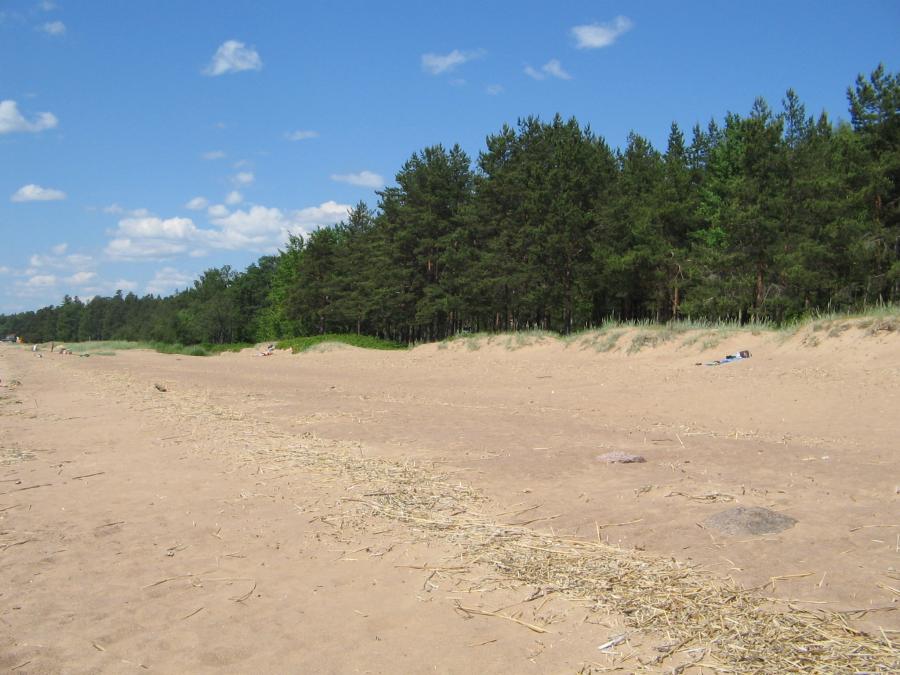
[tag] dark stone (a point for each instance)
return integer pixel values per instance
(750, 520)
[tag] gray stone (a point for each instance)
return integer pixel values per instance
(750, 520)
(618, 457)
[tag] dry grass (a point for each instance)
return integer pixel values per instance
(684, 607)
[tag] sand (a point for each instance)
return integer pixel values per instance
(142, 529)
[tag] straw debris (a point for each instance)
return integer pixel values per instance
(737, 630)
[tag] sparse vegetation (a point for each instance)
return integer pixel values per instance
(110, 347)
(302, 344)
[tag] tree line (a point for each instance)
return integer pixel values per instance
(765, 216)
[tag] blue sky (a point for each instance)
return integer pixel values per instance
(143, 142)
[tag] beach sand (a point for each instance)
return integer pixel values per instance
(146, 529)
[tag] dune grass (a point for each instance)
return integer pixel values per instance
(302, 344)
(612, 335)
(110, 347)
(634, 336)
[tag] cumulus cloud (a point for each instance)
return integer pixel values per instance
(435, 64)
(41, 280)
(123, 285)
(233, 56)
(197, 204)
(257, 228)
(81, 278)
(243, 178)
(12, 121)
(214, 154)
(363, 179)
(117, 210)
(152, 238)
(36, 193)
(57, 259)
(301, 135)
(326, 213)
(170, 228)
(553, 68)
(79, 260)
(265, 228)
(125, 248)
(168, 279)
(55, 28)
(234, 197)
(597, 35)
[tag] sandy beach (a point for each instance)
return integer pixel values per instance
(154, 514)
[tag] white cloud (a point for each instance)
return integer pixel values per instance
(435, 64)
(233, 57)
(117, 210)
(494, 89)
(58, 260)
(11, 120)
(47, 5)
(54, 28)
(168, 279)
(170, 228)
(243, 178)
(553, 68)
(363, 179)
(134, 249)
(256, 220)
(4, 269)
(81, 278)
(214, 154)
(596, 35)
(257, 228)
(41, 280)
(36, 193)
(197, 204)
(152, 238)
(265, 228)
(123, 285)
(326, 213)
(301, 135)
(234, 197)
(79, 260)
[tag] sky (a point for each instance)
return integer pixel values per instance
(144, 142)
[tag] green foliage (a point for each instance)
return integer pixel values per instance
(108, 347)
(761, 218)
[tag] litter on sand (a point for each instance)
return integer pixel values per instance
(730, 358)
